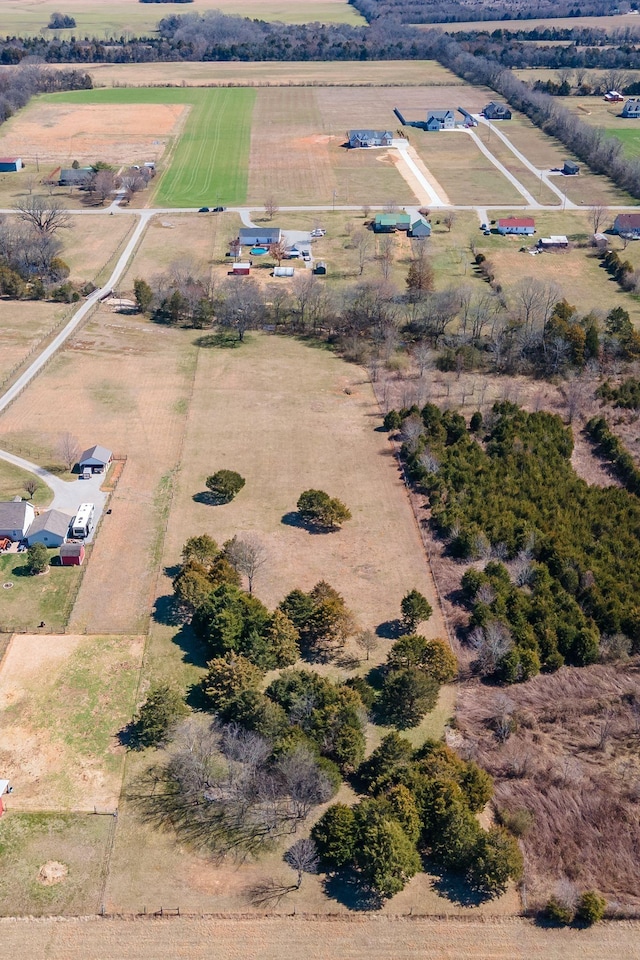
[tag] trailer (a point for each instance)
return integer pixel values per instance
(83, 521)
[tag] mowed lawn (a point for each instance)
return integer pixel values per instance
(208, 162)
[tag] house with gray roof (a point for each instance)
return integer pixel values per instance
(259, 236)
(50, 528)
(16, 516)
(631, 108)
(370, 138)
(440, 120)
(420, 228)
(75, 178)
(496, 111)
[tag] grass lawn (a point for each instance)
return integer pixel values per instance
(97, 18)
(629, 137)
(209, 160)
(47, 597)
(12, 480)
(28, 841)
(63, 700)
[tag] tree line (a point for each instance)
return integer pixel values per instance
(452, 11)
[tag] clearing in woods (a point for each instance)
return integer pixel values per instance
(208, 162)
(63, 700)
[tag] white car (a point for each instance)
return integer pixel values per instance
(318, 232)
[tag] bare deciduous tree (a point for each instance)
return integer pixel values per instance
(597, 213)
(45, 215)
(31, 485)
(68, 449)
(368, 642)
(449, 219)
(271, 207)
(363, 243)
(248, 554)
(303, 857)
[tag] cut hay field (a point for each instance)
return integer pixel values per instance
(63, 700)
(621, 21)
(274, 73)
(209, 158)
(202, 938)
(30, 843)
(97, 18)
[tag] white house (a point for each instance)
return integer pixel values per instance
(523, 225)
(631, 108)
(370, 138)
(16, 516)
(259, 236)
(440, 120)
(50, 528)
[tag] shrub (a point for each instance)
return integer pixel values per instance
(591, 907)
(225, 485)
(319, 509)
(37, 558)
(558, 912)
(163, 707)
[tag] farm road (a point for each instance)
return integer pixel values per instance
(271, 938)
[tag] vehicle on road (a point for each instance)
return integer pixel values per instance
(218, 209)
(203, 210)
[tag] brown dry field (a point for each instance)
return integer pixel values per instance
(42, 709)
(23, 326)
(124, 383)
(379, 73)
(621, 21)
(201, 938)
(59, 133)
(529, 181)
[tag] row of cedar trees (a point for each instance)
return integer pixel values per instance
(415, 802)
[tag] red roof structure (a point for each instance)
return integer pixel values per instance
(517, 222)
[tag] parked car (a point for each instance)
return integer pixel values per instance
(203, 210)
(487, 233)
(318, 232)
(219, 209)
(483, 226)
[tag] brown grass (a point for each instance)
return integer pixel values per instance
(201, 938)
(572, 761)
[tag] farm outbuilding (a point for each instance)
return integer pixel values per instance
(554, 242)
(259, 236)
(627, 225)
(10, 164)
(72, 554)
(570, 168)
(320, 269)
(96, 459)
(50, 528)
(16, 516)
(496, 111)
(440, 120)
(241, 269)
(370, 138)
(283, 271)
(518, 225)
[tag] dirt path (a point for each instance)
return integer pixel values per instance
(272, 938)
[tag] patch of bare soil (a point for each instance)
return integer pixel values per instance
(52, 872)
(564, 748)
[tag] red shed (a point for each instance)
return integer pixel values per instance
(241, 269)
(72, 554)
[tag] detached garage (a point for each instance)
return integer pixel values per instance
(96, 459)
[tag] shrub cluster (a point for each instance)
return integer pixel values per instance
(626, 395)
(613, 449)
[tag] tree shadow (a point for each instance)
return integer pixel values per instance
(295, 519)
(22, 571)
(223, 341)
(169, 613)
(390, 629)
(210, 499)
(349, 889)
(454, 887)
(268, 892)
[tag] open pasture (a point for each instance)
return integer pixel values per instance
(63, 700)
(97, 18)
(208, 160)
(31, 843)
(620, 21)
(377, 73)
(24, 325)
(124, 383)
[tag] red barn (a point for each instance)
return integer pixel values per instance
(72, 554)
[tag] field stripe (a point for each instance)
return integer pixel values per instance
(210, 162)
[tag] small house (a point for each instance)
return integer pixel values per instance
(370, 138)
(10, 164)
(570, 168)
(420, 228)
(320, 269)
(16, 516)
(440, 120)
(496, 111)
(612, 96)
(96, 459)
(4, 788)
(241, 269)
(631, 108)
(50, 528)
(259, 236)
(518, 225)
(627, 225)
(554, 242)
(72, 554)
(75, 178)
(283, 271)
(390, 222)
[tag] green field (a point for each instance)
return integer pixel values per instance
(48, 597)
(208, 163)
(630, 140)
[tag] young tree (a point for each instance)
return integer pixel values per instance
(30, 486)
(278, 251)
(37, 558)
(362, 241)
(335, 837)
(368, 642)
(225, 484)
(415, 608)
(271, 207)
(68, 449)
(248, 554)
(319, 509)
(449, 219)
(303, 857)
